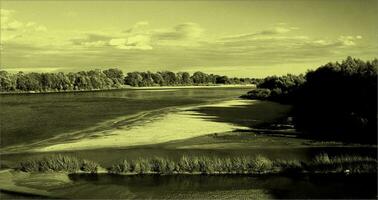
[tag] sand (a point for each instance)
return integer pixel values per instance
(180, 123)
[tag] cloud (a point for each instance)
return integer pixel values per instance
(9, 23)
(138, 42)
(13, 30)
(179, 47)
(340, 42)
(139, 37)
(267, 33)
(92, 40)
(139, 27)
(275, 30)
(349, 40)
(185, 31)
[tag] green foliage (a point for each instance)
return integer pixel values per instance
(141, 166)
(194, 164)
(342, 99)
(337, 101)
(107, 79)
(259, 93)
(59, 163)
(277, 88)
(8, 81)
(349, 164)
(288, 166)
(89, 166)
(168, 78)
(261, 164)
(207, 165)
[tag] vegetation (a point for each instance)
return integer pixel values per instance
(168, 78)
(350, 164)
(337, 101)
(207, 165)
(107, 79)
(59, 163)
(246, 165)
(278, 88)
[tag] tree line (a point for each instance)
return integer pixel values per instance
(337, 101)
(108, 79)
(168, 78)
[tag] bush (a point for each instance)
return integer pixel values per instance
(351, 164)
(321, 163)
(141, 166)
(259, 93)
(337, 101)
(288, 166)
(89, 166)
(58, 163)
(261, 164)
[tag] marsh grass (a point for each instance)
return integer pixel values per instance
(346, 163)
(259, 164)
(246, 165)
(59, 163)
(195, 165)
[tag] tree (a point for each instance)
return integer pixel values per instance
(116, 75)
(133, 79)
(337, 101)
(222, 80)
(7, 81)
(199, 78)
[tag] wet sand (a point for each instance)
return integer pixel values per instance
(177, 124)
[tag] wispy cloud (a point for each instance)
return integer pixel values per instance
(10, 24)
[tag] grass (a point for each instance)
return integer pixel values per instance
(350, 164)
(259, 164)
(59, 163)
(195, 165)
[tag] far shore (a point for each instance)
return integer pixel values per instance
(127, 87)
(193, 86)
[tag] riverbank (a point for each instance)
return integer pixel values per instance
(177, 123)
(189, 164)
(264, 186)
(58, 176)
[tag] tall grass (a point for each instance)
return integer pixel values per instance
(195, 164)
(351, 164)
(322, 163)
(59, 163)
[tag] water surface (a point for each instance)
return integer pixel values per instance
(220, 187)
(27, 118)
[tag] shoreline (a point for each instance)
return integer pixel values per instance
(134, 88)
(61, 180)
(192, 125)
(119, 128)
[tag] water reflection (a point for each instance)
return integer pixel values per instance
(201, 186)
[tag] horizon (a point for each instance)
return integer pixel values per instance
(216, 37)
(69, 70)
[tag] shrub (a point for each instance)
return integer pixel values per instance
(187, 164)
(141, 166)
(58, 163)
(259, 93)
(288, 166)
(261, 164)
(356, 164)
(158, 164)
(89, 166)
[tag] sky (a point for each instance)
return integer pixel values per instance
(235, 38)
